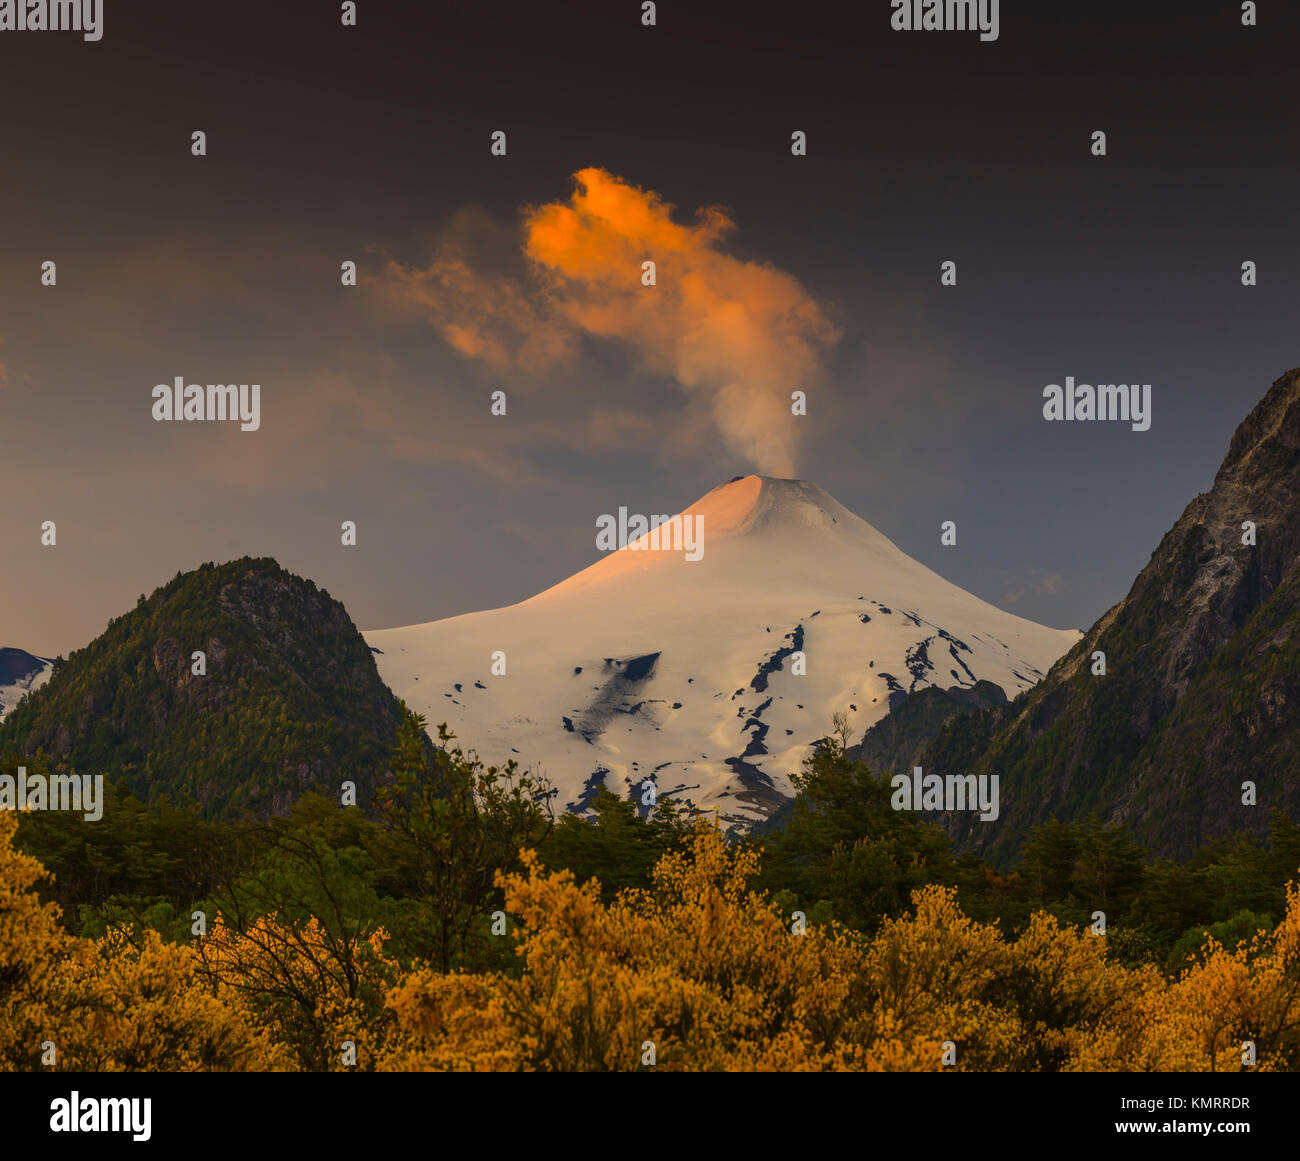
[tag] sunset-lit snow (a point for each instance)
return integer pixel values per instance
(718, 716)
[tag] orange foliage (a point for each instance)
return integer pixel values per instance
(319, 991)
(714, 978)
(699, 967)
(104, 1005)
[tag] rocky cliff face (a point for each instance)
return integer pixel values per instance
(1202, 685)
(289, 700)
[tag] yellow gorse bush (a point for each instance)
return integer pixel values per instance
(316, 990)
(714, 978)
(105, 1005)
(696, 973)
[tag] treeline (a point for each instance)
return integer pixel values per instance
(462, 925)
(846, 855)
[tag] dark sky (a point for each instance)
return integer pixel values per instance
(372, 144)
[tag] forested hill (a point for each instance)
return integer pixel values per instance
(290, 699)
(1201, 689)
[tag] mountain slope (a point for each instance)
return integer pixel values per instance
(290, 700)
(1202, 689)
(647, 664)
(898, 740)
(20, 673)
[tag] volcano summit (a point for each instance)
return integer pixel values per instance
(712, 677)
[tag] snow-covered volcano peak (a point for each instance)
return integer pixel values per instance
(714, 672)
(740, 529)
(767, 505)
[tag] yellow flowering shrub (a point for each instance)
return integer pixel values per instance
(697, 973)
(319, 992)
(104, 1005)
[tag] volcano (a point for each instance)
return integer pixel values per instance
(712, 677)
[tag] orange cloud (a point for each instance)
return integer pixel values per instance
(488, 317)
(739, 336)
